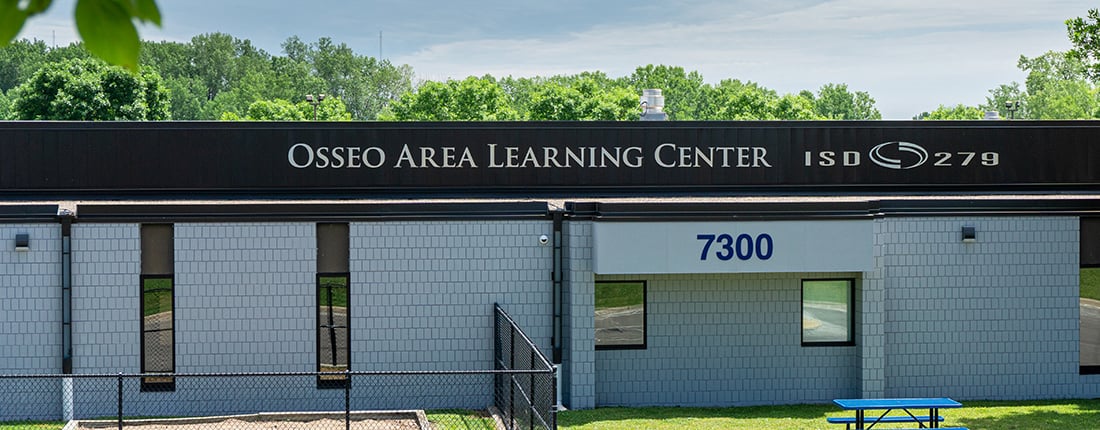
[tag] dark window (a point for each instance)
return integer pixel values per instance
(620, 315)
(333, 299)
(827, 318)
(158, 343)
(1090, 296)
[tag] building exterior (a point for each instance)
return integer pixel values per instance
(689, 264)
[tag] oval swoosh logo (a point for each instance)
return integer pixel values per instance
(908, 155)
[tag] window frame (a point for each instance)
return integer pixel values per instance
(1089, 258)
(333, 382)
(157, 383)
(645, 317)
(1091, 369)
(851, 341)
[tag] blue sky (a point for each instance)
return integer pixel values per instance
(910, 55)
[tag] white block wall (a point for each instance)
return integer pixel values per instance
(30, 300)
(722, 340)
(106, 270)
(423, 292)
(994, 319)
(245, 296)
(422, 297)
(578, 372)
(30, 320)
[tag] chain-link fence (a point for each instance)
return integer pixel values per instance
(526, 388)
(361, 400)
(518, 394)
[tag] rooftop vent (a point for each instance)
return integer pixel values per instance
(653, 105)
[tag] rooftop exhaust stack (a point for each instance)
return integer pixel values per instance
(653, 106)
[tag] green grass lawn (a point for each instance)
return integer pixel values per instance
(1060, 415)
(31, 425)
(975, 415)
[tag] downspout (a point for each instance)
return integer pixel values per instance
(66, 218)
(558, 295)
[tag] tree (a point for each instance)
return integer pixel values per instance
(330, 109)
(732, 99)
(1084, 34)
(106, 26)
(736, 100)
(1056, 87)
(5, 106)
(795, 107)
(1004, 96)
(1066, 99)
(957, 112)
(19, 60)
(471, 99)
(366, 84)
(520, 92)
(90, 90)
(583, 99)
(834, 101)
(221, 61)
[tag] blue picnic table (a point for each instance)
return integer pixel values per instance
(861, 406)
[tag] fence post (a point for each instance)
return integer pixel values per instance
(119, 400)
(554, 387)
(347, 398)
(531, 394)
(511, 377)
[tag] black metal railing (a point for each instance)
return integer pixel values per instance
(526, 390)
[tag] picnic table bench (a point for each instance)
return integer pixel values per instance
(849, 421)
(861, 406)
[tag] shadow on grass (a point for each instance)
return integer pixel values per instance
(588, 416)
(1052, 415)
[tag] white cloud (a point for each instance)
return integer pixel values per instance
(910, 55)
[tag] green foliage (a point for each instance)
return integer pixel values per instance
(834, 101)
(471, 99)
(330, 109)
(215, 76)
(273, 110)
(90, 90)
(5, 106)
(1002, 97)
(795, 107)
(957, 112)
(1056, 87)
(19, 60)
(520, 92)
(743, 101)
(584, 99)
(365, 84)
(732, 99)
(1084, 34)
(106, 26)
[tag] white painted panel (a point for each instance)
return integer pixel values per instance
(784, 246)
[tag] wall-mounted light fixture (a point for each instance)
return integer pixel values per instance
(22, 242)
(969, 234)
